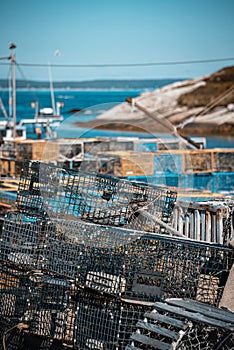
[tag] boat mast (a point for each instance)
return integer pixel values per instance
(13, 82)
(51, 89)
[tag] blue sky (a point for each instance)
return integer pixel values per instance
(117, 31)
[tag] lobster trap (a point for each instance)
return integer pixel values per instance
(50, 313)
(18, 340)
(104, 322)
(14, 290)
(184, 324)
(47, 190)
(42, 302)
(20, 240)
(13, 340)
(67, 245)
(158, 267)
(118, 261)
(139, 266)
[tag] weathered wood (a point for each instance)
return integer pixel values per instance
(165, 319)
(203, 226)
(213, 228)
(132, 347)
(157, 344)
(208, 227)
(186, 225)
(194, 316)
(180, 219)
(191, 224)
(219, 227)
(203, 308)
(204, 221)
(197, 225)
(156, 329)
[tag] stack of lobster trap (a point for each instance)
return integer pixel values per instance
(82, 269)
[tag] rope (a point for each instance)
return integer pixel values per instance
(27, 82)
(218, 99)
(208, 107)
(20, 326)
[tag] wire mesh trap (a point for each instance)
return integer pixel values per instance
(49, 311)
(157, 267)
(11, 338)
(45, 189)
(141, 266)
(104, 322)
(74, 241)
(185, 325)
(42, 302)
(17, 340)
(95, 282)
(14, 289)
(147, 267)
(20, 240)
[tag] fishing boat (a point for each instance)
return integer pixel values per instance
(44, 123)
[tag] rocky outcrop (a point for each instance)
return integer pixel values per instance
(200, 106)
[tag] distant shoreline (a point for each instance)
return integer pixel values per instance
(81, 89)
(120, 84)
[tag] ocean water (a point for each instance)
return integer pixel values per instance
(72, 99)
(92, 103)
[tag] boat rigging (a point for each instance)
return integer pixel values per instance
(45, 120)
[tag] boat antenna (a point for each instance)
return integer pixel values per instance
(13, 82)
(51, 88)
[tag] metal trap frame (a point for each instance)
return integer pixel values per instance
(104, 322)
(146, 267)
(74, 242)
(42, 302)
(13, 340)
(136, 265)
(20, 240)
(113, 287)
(48, 190)
(18, 340)
(49, 311)
(141, 266)
(184, 324)
(158, 267)
(14, 290)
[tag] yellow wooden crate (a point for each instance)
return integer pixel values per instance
(134, 164)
